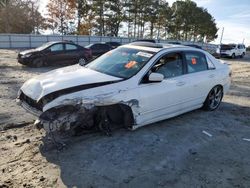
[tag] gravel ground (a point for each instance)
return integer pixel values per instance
(171, 153)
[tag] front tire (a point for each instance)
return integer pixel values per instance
(38, 62)
(213, 99)
(242, 55)
(233, 56)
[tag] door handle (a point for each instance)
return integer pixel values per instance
(211, 76)
(180, 83)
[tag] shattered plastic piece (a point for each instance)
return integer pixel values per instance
(246, 139)
(206, 133)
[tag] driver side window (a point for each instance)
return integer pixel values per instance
(170, 65)
(56, 47)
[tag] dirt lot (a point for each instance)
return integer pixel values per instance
(171, 153)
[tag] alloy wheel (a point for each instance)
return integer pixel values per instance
(82, 61)
(215, 97)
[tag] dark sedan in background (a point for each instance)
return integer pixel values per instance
(98, 49)
(56, 54)
(113, 44)
(193, 45)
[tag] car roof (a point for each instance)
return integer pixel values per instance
(145, 40)
(154, 47)
(112, 42)
(101, 43)
(64, 42)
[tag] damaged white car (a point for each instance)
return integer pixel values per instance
(131, 86)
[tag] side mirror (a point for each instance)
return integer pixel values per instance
(155, 77)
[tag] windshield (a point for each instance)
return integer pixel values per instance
(121, 62)
(44, 46)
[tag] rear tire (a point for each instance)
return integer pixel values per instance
(82, 61)
(242, 55)
(213, 99)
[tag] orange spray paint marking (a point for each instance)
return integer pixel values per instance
(194, 61)
(130, 64)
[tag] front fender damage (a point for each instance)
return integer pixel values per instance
(63, 118)
(79, 115)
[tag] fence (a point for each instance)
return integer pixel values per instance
(8, 41)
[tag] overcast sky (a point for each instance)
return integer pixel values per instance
(233, 15)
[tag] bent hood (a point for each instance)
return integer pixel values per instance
(63, 78)
(28, 51)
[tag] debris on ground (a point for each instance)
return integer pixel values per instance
(246, 139)
(207, 133)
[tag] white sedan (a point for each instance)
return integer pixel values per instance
(131, 86)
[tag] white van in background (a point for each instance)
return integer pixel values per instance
(231, 50)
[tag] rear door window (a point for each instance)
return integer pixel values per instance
(71, 47)
(196, 62)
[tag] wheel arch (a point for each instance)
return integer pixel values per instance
(120, 114)
(119, 110)
(220, 85)
(205, 103)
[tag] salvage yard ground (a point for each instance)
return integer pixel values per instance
(197, 149)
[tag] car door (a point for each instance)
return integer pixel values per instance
(237, 50)
(101, 49)
(160, 100)
(72, 53)
(241, 49)
(55, 54)
(95, 50)
(200, 78)
(105, 48)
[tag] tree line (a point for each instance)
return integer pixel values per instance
(183, 20)
(19, 16)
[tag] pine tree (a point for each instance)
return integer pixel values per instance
(60, 14)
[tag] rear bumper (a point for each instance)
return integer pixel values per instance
(226, 84)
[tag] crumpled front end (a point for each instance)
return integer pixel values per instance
(63, 118)
(87, 117)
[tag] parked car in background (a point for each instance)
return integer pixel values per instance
(145, 40)
(113, 44)
(231, 50)
(56, 54)
(134, 85)
(193, 45)
(174, 43)
(98, 49)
